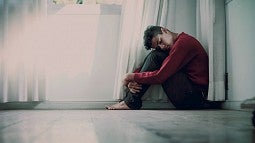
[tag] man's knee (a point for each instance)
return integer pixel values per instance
(157, 55)
(154, 60)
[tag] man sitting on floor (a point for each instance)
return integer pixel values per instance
(178, 62)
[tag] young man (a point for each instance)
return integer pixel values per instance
(178, 62)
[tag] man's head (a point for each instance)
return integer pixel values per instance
(157, 37)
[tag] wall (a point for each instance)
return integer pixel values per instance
(240, 21)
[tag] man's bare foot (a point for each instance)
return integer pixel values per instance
(118, 106)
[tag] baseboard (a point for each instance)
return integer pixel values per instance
(74, 105)
(232, 105)
(238, 105)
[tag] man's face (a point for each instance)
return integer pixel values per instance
(162, 41)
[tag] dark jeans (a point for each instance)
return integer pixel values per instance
(182, 92)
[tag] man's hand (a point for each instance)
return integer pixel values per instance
(128, 80)
(129, 77)
(134, 87)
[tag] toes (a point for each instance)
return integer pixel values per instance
(109, 107)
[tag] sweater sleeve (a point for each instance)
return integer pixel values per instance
(178, 57)
(137, 70)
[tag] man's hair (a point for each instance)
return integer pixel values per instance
(149, 33)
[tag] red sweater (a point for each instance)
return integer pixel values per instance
(187, 54)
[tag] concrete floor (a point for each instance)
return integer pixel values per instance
(141, 126)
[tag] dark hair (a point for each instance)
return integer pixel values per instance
(149, 33)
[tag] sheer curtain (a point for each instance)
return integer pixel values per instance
(136, 16)
(21, 74)
(211, 32)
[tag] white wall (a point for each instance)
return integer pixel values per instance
(240, 21)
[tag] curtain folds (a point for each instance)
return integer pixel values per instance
(211, 33)
(21, 77)
(130, 31)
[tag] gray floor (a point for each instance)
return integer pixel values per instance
(142, 126)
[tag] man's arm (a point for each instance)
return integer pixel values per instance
(179, 56)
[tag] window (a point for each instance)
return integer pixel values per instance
(82, 52)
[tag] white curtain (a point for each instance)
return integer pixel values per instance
(136, 16)
(21, 76)
(211, 32)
